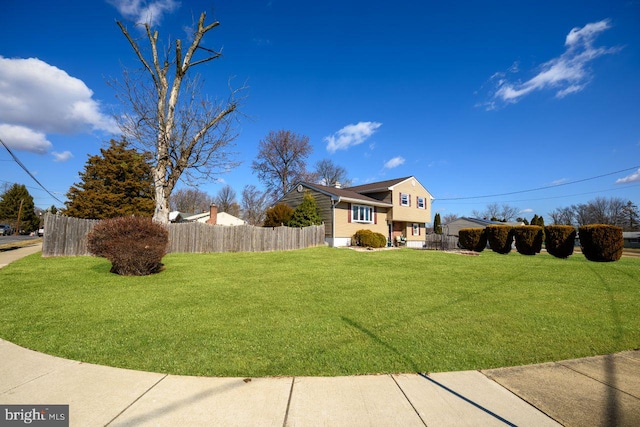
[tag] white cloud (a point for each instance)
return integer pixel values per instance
(45, 99)
(565, 74)
(559, 181)
(394, 163)
(634, 177)
(527, 210)
(62, 157)
(142, 11)
(24, 139)
(351, 135)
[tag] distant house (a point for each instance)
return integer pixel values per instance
(398, 209)
(631, 239)
(453, 228)
(213, 217)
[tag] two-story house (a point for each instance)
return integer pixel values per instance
(397, 208)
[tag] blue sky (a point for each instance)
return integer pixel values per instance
(476, 98)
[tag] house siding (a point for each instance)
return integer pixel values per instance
(323, 201)
(346, 229)
(411, 213)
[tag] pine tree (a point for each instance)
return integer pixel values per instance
(17, 201)
(118, 182)
(306, 213)
(437, 224)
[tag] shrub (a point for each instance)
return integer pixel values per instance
(500, 238)
(370, 239)
(278, 215)
(560, 240)
(473, 239)
(528, 239)
(306, 214)
(134, 245)
(601, 242)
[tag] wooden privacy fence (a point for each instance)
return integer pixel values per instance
(65, 236)
(441, 242)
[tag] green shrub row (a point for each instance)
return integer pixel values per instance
(528, 239)
(560, 240)
(473, 239)
(599, 242)
(134, 245)
(369, 239)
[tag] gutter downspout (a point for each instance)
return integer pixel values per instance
(333, 221)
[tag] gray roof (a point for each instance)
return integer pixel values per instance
(345, 194)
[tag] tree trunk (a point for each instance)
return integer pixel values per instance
(161, 213)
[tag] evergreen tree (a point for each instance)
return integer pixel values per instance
(278, 215)
(118, 182)
(437, 224)
(17, 201)
(306, 213)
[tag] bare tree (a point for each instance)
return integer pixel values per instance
(329, 173)
(449, 218)
(254, 205)
(562, 216)
(186, 132)
(190, 200)
(226, 201)
(495, 212)
(281, 161)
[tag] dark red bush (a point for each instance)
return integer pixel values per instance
(500, 238)
(601, 242)
(528, 239)
(560, 240)
(473, 239)
(134, 245)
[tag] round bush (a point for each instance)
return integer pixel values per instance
(528, 239)
(500, 238)
(473, 239)
(134, 245)
(560, 240)
(370, 239)
(601, 242)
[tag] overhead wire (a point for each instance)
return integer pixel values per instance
(539, 188)
(17, 160)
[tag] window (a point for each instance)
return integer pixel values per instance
(416, 230)
(405, 199)
(421, 204)
(361, 213)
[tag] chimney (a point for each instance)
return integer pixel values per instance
(213, 214)
(337, 184)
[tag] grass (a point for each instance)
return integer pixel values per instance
(323, 311)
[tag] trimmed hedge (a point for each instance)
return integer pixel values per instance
(134, 245)
(500, 238)
(560, 240)
(369, 239)
(528, 239)
(601, 242)
(473, 239)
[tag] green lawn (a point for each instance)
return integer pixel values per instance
(323, 311)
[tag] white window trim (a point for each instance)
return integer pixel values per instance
(359, 209)
(402, 199)
(413, 229)
(424, 203)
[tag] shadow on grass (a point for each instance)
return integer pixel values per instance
(612, 413)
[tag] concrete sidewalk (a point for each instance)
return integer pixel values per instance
(9, 256)
(596, 391)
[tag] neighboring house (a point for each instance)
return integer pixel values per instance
(631, 239)
(214, 217)
(398, 209)
(176, 216)
(453, 228)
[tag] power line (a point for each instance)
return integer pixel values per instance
(564, 196)
(27, 171)
(540, 188)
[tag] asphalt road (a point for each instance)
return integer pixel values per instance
(15, 239)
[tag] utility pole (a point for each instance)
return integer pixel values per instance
(19, 215)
